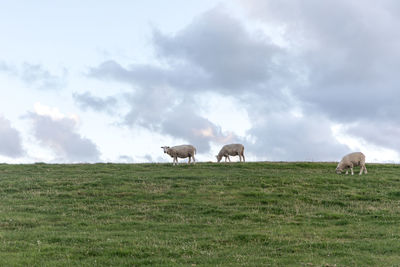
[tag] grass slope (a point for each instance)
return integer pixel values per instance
(254, 214)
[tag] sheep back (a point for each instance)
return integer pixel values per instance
(352, 159)
(231, 150)
(182, 151)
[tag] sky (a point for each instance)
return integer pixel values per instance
(113, 81)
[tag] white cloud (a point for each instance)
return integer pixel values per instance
(373, 151)
(58, 133)
(53, 112)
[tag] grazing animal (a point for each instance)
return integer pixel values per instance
(231, 150)
(182, 151)
(351, 160)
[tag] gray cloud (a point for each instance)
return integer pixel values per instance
(347, 51)
(150, 106)
(6, 68)
(183, 122)
(219, 45)
(282, 136)
(36, 76)
(383, 133)
(159, 110)
(87, 100)
(183, 76)
(10, 140)
(61, 137)
(216, 53)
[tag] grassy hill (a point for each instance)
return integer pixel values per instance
(254, 214)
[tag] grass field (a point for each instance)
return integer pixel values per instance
(252, 214)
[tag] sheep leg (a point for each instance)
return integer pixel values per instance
(347, 172)
(229, 158)
(175, 160)
(194, 161)
(189, 159)
(352, 173)
(363, 168)
(243, 157)
(240, 158)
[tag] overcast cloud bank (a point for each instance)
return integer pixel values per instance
(347, 53)
(215, 53)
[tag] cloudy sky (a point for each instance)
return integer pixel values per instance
(113, 81)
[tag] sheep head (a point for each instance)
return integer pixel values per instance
(339, 168)
(165, 148)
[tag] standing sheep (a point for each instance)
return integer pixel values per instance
(351, 160)
(182, 151)
(231, 150)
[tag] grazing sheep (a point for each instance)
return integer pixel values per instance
(182, 151)
(351, 160)
(231, 150)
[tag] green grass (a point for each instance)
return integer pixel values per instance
(252, 214)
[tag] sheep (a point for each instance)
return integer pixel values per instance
(182, 151)
(231, 150)
(351, 160)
